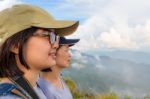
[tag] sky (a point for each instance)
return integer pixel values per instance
(104, 24)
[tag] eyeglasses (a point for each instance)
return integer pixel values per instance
(52, 36)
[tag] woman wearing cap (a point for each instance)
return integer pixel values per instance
(51, 82)
(28, 45)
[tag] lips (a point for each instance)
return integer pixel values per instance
(53, 54)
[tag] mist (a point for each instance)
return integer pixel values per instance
(105, 74)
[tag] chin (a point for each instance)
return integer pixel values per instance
(66, 66)
(52, 63)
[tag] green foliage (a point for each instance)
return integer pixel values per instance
(127, 97)
(70, 84)
(147, 97)
(78, 94)
(108, 96)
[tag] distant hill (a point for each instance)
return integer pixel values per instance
(135, 56)
(105, 74)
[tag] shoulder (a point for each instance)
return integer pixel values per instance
(8, 90)
(44, 84)
(47, 88)
(5, 91)
(5, 88)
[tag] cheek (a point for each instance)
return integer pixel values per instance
(62, 60)
(59, 59)
(36, 49)
(36, 52)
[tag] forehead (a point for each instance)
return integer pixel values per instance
(64, 46)
(40, 30)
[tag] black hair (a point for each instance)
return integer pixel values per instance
(8, 65)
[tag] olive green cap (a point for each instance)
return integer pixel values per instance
(23, 16)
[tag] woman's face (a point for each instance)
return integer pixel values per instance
(39, 53)
(63, 56)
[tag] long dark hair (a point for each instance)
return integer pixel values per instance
(8, 65)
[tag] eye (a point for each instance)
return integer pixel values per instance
(46, 33)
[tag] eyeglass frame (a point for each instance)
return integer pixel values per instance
(52, 36)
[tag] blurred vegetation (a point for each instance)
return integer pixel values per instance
(78, 94)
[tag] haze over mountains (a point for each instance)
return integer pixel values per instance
(126, 73)
(135, 56)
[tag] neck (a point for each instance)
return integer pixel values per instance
(31, 76)
(53, 77)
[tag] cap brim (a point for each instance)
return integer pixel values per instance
(69, 42)
(67, 28)
(62, 28)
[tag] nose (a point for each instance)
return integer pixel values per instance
(55, 45)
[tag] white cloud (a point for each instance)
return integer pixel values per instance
(77, 65)
(114, 25)
(8, 3)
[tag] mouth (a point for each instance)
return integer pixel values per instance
(53, 54)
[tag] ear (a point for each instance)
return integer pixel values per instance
(14, 49)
